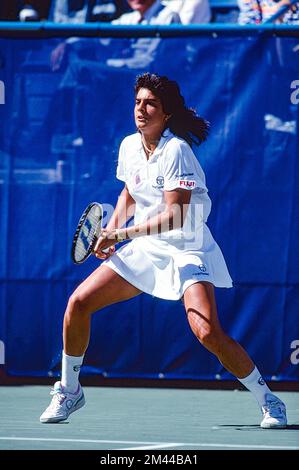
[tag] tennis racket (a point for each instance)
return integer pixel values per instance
(87, 232)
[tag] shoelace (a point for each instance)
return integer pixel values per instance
(57, 399)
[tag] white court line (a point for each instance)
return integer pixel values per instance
(155, 446)
(215, 444)
(241, 446)
(152, 445)
(92, 441)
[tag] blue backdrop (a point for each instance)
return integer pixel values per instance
(59, 138)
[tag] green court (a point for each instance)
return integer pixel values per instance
(145, 418)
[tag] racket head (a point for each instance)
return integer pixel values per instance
(87, 232)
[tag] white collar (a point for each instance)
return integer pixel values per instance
(167, 134)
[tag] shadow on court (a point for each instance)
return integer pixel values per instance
(145, 418)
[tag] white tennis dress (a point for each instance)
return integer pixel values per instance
(165, 265)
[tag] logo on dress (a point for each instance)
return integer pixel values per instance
(137, 178)
(160, 183)
(187, 184)
(202, 271)
(183, 175)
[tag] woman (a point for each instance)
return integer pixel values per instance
(171, 255)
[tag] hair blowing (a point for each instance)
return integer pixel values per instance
(183, 121)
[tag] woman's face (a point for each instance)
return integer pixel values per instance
(148, 112)
(140, 5)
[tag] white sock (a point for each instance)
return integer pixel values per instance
(70, 372)
(256, 385)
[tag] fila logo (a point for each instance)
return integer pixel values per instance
(187, 184)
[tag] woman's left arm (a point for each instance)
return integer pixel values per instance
(173, 216)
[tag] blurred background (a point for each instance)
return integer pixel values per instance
(66, 102)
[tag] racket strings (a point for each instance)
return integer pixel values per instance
(87, 234)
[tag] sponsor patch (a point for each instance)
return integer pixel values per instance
(137, 179)
(187, 184)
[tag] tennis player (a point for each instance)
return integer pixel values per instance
(171, 255)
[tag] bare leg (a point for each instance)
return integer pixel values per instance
(200, 304)
(103, 287)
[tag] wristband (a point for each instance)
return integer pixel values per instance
(119, 237)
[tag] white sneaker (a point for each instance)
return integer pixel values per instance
(274, 412)
(63, 404)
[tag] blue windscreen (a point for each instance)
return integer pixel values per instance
(59, 139)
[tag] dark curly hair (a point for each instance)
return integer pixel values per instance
(183, 121)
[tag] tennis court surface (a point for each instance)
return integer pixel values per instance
(145, 419)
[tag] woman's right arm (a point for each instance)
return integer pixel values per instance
(124, 210)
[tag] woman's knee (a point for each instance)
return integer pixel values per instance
(209, 338)
(77, 305)
(208, 334)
